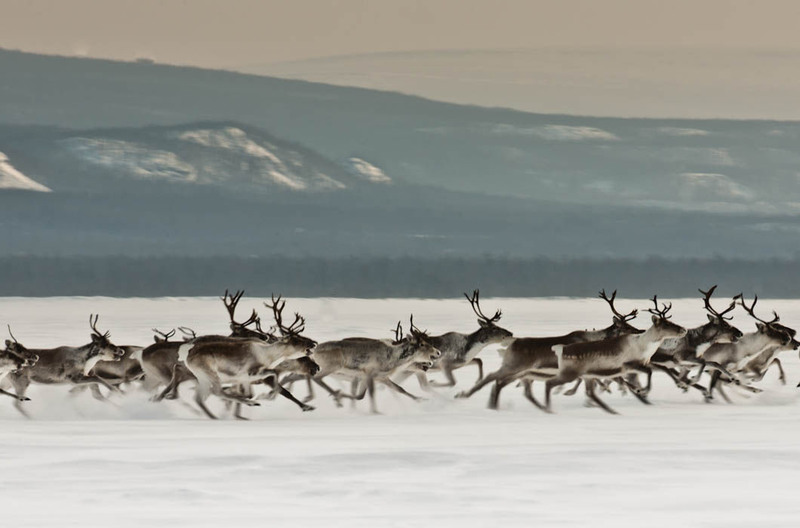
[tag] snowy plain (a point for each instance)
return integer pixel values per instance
(440, 462)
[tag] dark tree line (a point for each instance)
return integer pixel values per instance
(390, 277)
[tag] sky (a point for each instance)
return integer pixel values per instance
(643, 58)
(231, 33)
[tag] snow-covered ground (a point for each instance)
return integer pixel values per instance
(441, 462)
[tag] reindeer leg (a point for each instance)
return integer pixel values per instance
(574, 389)
(555, 382)
(636, 390)
(397, 388)
(96, 394)
(448, 373)
(593, 396)
(494, 398)
(14, 395)
(20, 384)
(371, 389)
(286, 394)
(528, 384)
(479, 385)
(782, 376)
(310, 388)
(337, 395)
(479, 363)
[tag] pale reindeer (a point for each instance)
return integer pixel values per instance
(459, 349)
(735, 356)
(64, 364)
(612, 358)
(374, 360)
(532, 358)
(242, 362)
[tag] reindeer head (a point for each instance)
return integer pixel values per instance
(718, 327)
(489, 332)
(20, 356)
(774, 331)
(662, 327)
(620, 323)
(290, 335)
(423, 352)
(101, 343)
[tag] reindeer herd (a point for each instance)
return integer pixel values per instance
(254, 363)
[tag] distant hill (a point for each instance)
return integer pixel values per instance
(148, 159)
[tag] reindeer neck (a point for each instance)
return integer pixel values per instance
(697, 336)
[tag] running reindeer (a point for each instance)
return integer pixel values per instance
(532, 358)
(734, 356)
(612, 358)
(14, 360)
(459, 350)
(64, 364)
(687, 352)
(230, 366)
(368, 361)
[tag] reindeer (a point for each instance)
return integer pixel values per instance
(242, 361)
(459, 350)
(64, 364)
(735, 356)
(757, 367)
(687, 351)
(532, 358)
(613, 357)
(14, 360)
(160, 360)
(370, 360)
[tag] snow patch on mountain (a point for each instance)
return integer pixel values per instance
(132, 158)
(703, 185)
(279, 165)
(11, 178)
(557, 132)
(230, 138)
(368, 171)
(682, 132)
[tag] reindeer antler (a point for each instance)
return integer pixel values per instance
(93, 324)
(230, 302)
(632, 315)
(277, 306)
(707, 301)
(751, 310)
(187, 332)
(398, 332)
(474, 301)
(12, 335)
(416, 331)
(163, 335)
(662, 313)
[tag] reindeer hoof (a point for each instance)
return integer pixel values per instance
(463, 394)
(24, 399)
(307, 408)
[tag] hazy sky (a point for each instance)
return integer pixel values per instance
(230, 33)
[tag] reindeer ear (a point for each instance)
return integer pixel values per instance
(482, 323)
(655, 319)
(761, 327)
(8, 343)
(711, 318)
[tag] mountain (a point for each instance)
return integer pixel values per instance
(147, 159)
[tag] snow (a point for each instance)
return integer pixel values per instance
(11, 178)
(369, 171)
(558, 132)
(440, 462)
(133, 158)
(236, 140)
